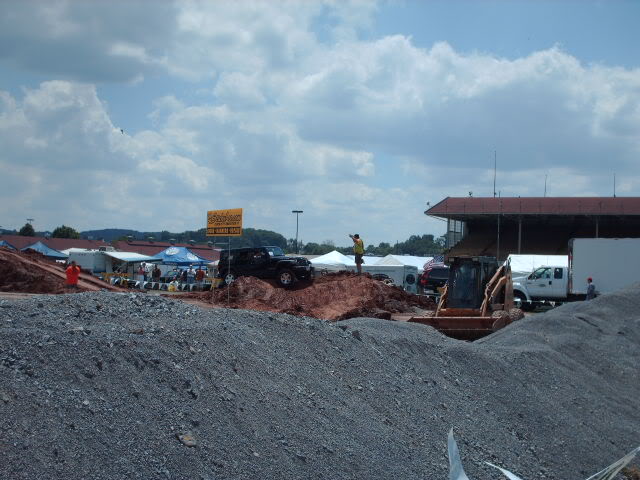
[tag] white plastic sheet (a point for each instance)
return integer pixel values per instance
(456, 470)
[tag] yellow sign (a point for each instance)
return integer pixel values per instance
(224, 223)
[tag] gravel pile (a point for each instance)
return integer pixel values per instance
(105, 385)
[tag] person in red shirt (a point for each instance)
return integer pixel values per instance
(73, 272)
(199, 277)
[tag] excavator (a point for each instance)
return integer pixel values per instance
(476, 301)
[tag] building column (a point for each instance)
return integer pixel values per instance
(519, 234)
(597, 226)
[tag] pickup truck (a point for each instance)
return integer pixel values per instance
(612, 263)
(543, 284)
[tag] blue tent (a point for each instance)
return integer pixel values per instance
(46, 251)
(180, 256)
(4, 243)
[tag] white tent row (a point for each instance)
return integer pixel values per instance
(417, 262)
(402, 275)
(335, 261)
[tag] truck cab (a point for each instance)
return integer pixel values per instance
(546, 282)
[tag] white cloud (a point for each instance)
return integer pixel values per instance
(294, 118)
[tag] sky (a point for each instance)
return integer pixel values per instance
(145, 114)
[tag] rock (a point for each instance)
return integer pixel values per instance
(187, 439)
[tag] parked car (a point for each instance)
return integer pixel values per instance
(434, 277)
(263, 262)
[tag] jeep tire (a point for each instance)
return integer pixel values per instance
(286, 278)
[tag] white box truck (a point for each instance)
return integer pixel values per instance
(94, 261)
(612, 263)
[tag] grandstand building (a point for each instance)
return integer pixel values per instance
(536, 225)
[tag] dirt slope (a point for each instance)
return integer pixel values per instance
(33, 273)
(335, 296)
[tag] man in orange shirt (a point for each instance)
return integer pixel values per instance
(199, 277)
(73, 272)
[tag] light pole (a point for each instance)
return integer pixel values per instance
(297, 212)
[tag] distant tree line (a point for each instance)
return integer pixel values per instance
(418, 245)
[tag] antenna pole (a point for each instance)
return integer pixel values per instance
(614, 185)
(495, 164)
(545, 185)
(498, 238)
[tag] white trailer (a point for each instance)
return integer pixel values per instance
(106, 260)
(612, 264)
(94, 261)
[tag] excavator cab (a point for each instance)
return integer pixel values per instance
(468, 277)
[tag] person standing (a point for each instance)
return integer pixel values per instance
(591, 289)
(199, 277)
(73, 273)
(141, 275)
(155, 273)
(358, 251)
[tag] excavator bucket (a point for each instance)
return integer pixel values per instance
(461, 327)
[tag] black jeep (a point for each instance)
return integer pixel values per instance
(263, 262)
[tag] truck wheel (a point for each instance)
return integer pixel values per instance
(286, 278)
(229, 278)
(522, 300)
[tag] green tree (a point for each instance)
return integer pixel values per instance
(313, 248)
(27, 230)
(65, 232)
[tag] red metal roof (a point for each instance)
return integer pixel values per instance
(142, 247)
(151, 248)
(20, 242)
(536, 206)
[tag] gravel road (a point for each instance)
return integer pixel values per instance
(103, 385)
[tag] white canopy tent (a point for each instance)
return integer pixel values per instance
(525, 264)
(332, 262)
(417, 262)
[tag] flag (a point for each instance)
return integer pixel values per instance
(436, 261)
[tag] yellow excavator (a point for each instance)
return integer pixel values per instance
(476, 301)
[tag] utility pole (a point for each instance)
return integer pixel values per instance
(297, 212)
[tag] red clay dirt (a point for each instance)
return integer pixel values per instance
(33, 273)
(336, 296)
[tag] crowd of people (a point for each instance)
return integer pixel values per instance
(189, 275)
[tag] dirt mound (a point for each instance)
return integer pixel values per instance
(336, 296)
(33, 273)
